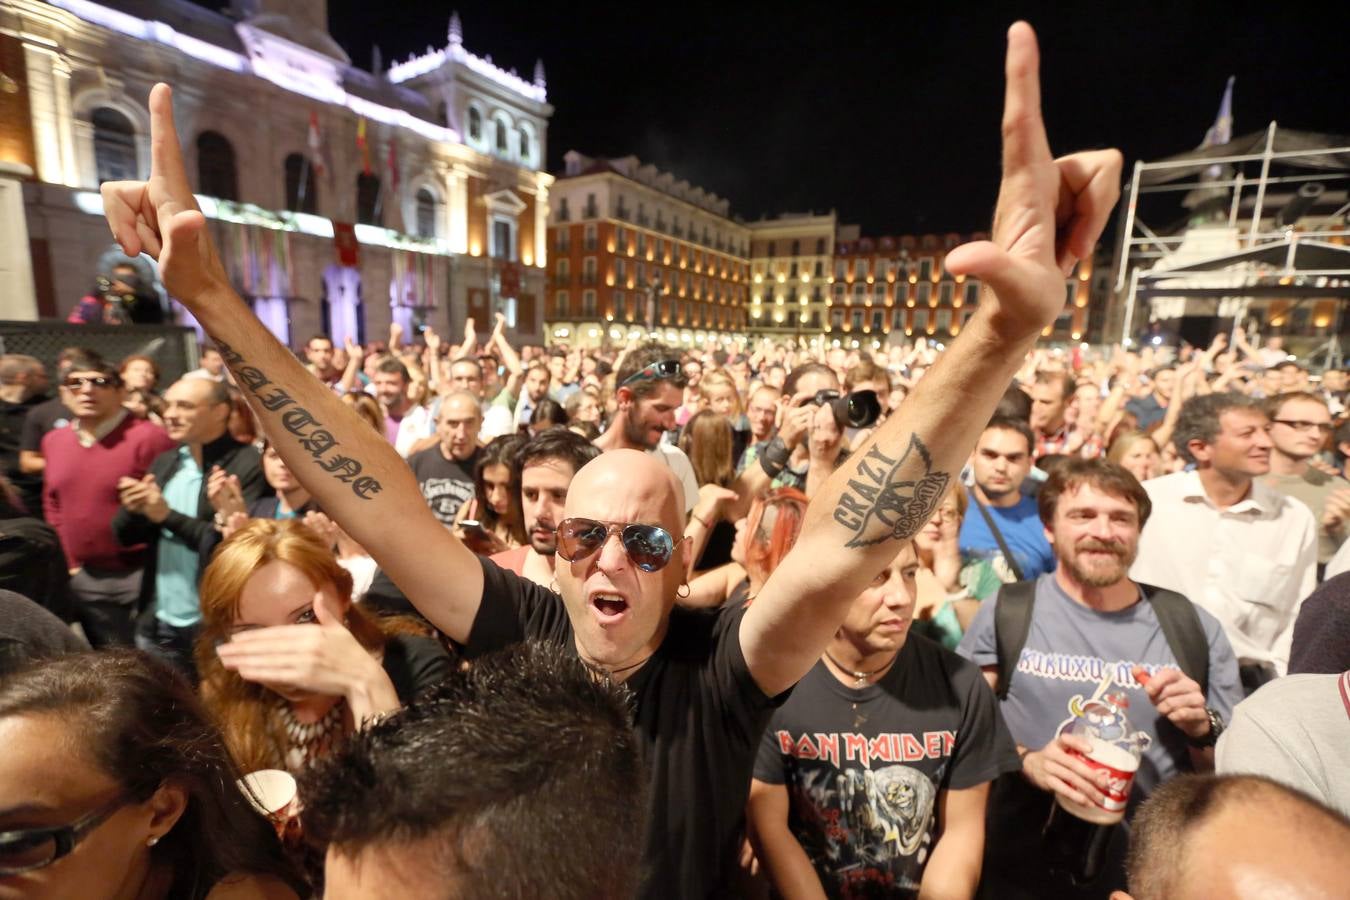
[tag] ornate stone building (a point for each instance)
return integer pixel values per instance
(343, 198)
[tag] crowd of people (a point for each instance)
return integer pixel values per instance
(754, 618)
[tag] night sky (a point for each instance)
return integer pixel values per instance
(888, 116)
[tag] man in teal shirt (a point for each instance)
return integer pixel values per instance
(171, 510)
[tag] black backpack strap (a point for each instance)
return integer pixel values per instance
(1185, 635)
(1012, 623)
(998, 537)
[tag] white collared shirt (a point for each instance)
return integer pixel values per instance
(1250, 565)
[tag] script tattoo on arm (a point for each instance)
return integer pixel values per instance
(878, 506)
(314, 439)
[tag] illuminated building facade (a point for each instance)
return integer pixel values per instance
(634, 251)
(791, 264)
(342, 198)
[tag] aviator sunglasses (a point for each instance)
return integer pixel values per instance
(663, 370)
(648, 546)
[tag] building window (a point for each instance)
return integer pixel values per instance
(426, 213)
(859, 292)
(301, 195)
(563, 239)
(773, 248)
(475, 124)
(921, 320)
(860, 268)
(857, 319)
(1070, 288)
(114, 145)
(972, 292)
(926, 269)
(588, 304)
(838, 292)
(620, 270)
(589, 238)
(840, 269)
(820, 269)
(502, 142)
(215, 166)
(588, 270)
(367, 199)
(820, 246)
(564, 268)
(946, 291)
(796, 248)
(592, 211)
(563, 213)
(944, 320)
(792, 271)
(898, 320)
(924, 293)
(836, 319)
(524, 147)
(560, 304)
(620, 307)
(877, 318)
(503, 239)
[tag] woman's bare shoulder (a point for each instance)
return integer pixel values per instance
(251, 887)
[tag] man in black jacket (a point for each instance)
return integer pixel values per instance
(169, 510)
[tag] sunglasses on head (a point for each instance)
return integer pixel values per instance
(79, 382)
(662, 370)
(648, 546)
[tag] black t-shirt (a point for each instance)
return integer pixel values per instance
(29, 632)
(12, 418)
(414, 663)
(864, 767)
(44, 417)
(446, 483)
(699, 715)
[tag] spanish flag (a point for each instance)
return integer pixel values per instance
(363, 146)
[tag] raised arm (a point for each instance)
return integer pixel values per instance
(1049, 215)
(349, 468)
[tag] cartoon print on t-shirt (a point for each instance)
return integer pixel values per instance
(878, 823)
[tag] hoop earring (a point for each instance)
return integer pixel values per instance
(553, 586)
(685, 595)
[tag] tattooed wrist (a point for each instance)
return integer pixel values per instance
(313, 437)
(879, 504)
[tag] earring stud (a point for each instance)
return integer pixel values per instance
(150, 842)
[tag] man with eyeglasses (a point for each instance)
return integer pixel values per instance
(650, 383)
(85, 462)
(1226, 541)
(1300, 424)
(703, 684)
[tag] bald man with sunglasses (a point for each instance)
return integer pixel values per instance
(704, 685)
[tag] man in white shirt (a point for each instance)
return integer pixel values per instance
(1245, 553)
(650, 388)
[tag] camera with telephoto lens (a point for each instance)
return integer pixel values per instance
(856, 410)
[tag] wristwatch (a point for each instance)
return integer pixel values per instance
(1215, 729)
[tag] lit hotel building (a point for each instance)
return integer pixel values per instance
(634, 251)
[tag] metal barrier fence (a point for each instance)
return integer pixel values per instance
(172, 347)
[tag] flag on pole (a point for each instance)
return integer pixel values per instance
(1221, 132)
(315, 142)
(395, 211)
(363, 146)
(392, 160)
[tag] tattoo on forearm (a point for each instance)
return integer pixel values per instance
(313, 438)
(876, 506)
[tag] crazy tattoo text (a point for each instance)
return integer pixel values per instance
(878, 506)
(312, 436)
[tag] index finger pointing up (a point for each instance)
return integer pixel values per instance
(1024, 141)
(166, 158)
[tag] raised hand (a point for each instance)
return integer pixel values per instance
(1050, 211)
(160, 216)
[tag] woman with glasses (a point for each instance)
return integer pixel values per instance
(289, 665)
(114, 785)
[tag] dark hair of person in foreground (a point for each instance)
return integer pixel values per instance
(120, 730)
(518, 777)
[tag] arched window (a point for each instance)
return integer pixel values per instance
(114, 145)
(503, 143)
(215, 166)
(301, 193)
(426, 213)
(524, 146)
(367, 199)
(475, 124)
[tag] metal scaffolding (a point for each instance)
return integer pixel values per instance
(1225, 232)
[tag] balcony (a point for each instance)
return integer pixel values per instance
(589, 279)
(591, 211)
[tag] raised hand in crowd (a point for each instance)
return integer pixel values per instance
(225, 494)
(143, 497)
